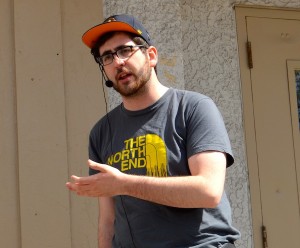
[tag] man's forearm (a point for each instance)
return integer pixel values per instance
(106, 222)
(202, 189)
(182, 192)
(105, 239)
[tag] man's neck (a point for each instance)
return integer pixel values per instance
(151, 93)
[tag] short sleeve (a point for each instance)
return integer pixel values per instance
(206, 130)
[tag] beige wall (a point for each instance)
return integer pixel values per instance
(50, 96)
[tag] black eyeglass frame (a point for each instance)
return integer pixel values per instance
(118, 54)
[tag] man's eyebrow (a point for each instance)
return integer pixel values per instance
(111, 51)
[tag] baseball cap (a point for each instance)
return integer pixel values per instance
(113, 23)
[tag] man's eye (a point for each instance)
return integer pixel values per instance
(125, 51)
(106, 58)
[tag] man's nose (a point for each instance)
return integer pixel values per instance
(117, 61)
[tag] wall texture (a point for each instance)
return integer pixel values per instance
(197, 44)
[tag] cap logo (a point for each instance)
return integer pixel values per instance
(111, 19)
(139, 31)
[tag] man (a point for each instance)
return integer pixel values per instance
(162, 154)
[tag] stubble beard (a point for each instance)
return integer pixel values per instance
(137, 86)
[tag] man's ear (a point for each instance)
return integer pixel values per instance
(153, 56)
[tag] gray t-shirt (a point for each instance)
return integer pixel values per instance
(157, 141)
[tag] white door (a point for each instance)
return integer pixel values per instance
(274, 53)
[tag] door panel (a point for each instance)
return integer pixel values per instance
(273, 42)
(270, 120)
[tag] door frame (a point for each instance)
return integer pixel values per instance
(241, 12)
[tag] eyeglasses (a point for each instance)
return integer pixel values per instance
(122, 53)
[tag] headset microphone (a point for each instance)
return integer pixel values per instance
(109, 83)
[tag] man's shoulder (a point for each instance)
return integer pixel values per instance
(189, 97)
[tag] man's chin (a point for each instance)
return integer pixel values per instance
(127, 91)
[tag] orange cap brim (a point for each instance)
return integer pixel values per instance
(91, 36)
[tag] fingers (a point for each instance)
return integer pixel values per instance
(91, 162)
(88, 179)
(75, 180)
(96, 166)
(85, 186)
(69, 186)
(82, 190)
(82, 180)
(80, 184)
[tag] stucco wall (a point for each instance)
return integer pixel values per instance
(197, 46)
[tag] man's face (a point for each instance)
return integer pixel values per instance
(129, 76)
